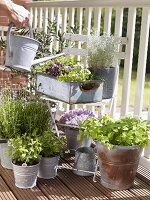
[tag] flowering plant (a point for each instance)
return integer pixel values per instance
(102, 51)
(75, 117)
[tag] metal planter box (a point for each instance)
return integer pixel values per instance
(70, 92)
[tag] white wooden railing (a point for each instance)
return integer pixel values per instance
(88, 14)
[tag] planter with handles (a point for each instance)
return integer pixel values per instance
(25, 176)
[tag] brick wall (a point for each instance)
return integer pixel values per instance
(4, 21)
(10, 78)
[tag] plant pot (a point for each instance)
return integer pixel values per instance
(147, 150)
(118, 166)
(84, 160)
(25, 176)
(108, 76)
(70, 92)
(72, 142)
(5, 158)
(48, 167)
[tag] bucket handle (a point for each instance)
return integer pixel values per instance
(8, 36)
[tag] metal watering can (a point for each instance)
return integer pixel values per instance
(21, 51)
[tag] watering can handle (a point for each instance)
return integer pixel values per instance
(8, 36)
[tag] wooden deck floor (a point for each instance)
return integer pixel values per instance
(69, 186)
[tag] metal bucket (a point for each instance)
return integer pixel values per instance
(85, 161)
(20, 51)
(72, 142)
(25, 176)
(118, 166)
(48, 167)
(5, 158)
(107, 74)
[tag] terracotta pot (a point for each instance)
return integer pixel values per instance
(118, 166)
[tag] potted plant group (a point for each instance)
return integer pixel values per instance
(70, 122)
(102, 54)
(119, 147)
(25, 154)
(64, 80)
(51, 149)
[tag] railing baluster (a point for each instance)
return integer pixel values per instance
(107, 20)
(35, 18)
(71, 18)
(142, 62)
(64, 19)
(88, 20)
(40, 18)
(45, 19)
(97, 20)
(118, 32)
(128, 61)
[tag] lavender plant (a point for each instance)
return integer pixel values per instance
(75, 117)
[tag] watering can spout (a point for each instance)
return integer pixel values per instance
(40, 60)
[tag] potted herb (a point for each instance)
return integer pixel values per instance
(119, 146)
(102, 52)
(11, 112)
(70, 121)
(71, 83)
(51, 150)
(25, 154)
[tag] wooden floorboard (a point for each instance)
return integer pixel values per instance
(69, 186)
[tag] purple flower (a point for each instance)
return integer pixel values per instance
(76, 116)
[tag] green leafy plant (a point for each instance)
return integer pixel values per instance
(25, 149)
(77, 73)
(11, 112)
(51, 145)
(102, 51)
(126, 131)
(36, 116)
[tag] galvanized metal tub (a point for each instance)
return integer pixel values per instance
(25, 176)
(85, 161)
(5, 158)
(70, 92)
(118, 166)
(48, 167)
(108, 75)
(72, 141)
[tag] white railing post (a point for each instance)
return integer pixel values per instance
(142, 62)
(128, 61)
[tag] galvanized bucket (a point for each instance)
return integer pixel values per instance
(72, 142)
(108, 75)
(25, 176)
(48, 167)
(118, 166)
(5, 158)
(20, 51)
(85, 161)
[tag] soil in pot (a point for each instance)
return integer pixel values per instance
(118, 166)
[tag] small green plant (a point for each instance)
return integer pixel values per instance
(102, 51)
(36, 116)
(51, 145)
(25, 149)
(126, 131)
(11, 112)
(77, 73)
